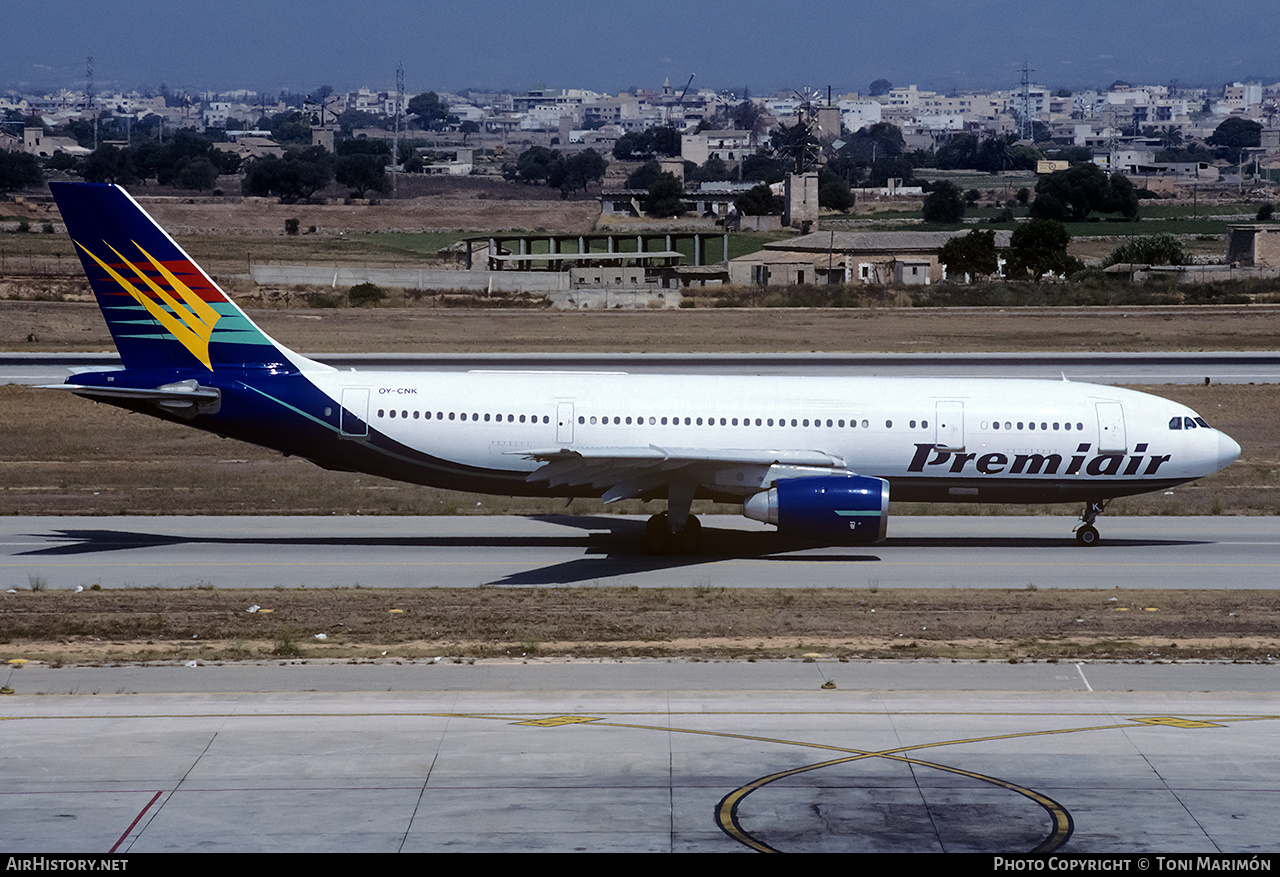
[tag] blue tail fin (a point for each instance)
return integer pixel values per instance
(164, 312)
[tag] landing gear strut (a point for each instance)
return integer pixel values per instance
(1087, 533)
(675, 531)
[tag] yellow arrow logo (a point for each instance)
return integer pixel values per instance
(191, 323)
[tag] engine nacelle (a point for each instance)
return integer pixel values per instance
(836, 509)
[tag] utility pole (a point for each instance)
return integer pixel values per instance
(88, 88)
(395, 138)
(1026, 131)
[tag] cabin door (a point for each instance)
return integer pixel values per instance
(949, 433)
(1111, 438)
(355, 412)
(564, 423)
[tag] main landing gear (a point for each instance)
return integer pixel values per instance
(1087, 533)
(663, 540)
(675, 531)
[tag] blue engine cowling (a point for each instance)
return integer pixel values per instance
(836, 509)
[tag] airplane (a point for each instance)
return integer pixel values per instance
(815, 456)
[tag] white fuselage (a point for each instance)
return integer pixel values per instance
(932, 439)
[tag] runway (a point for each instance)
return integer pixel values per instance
(1219, 367)
(643, 756)
(940, 552)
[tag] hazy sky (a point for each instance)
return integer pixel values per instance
(615, 46)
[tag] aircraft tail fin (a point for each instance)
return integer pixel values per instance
(163, 310)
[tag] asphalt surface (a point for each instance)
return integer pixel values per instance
(643, 756)
(943, 552)
(1100, 368)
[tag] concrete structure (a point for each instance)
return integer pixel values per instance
(728, 146)
(800, 200)
(36, 142)
(1254, 246)
(901, 257)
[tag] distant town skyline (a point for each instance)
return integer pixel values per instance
(940, 45)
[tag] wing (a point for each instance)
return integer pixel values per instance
(625, 472)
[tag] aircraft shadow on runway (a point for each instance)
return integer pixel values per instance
(612, 546)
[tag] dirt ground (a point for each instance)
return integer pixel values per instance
(55, 326)
(705, 623)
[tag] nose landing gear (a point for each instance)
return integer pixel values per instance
(1087, 533)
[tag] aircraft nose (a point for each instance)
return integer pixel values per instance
(1228, 450)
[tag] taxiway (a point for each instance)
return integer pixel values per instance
(640, 756)
(942, 552)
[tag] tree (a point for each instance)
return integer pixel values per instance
(1159, 249)
(198, 174)
(944, 203)
(1039, 247)
(712, 170)
(1236, 133)
(666, 196)
(645, 145)
(577, 171)
(879, 87)
(747, 116)
(759, 201)
(432, 112)
(973, 254)
(362, 172)
(290, 129)
(107, 164)
(833, 191)
(764, 168)
(1078, 191)
(874, 142)
(534, 165)
(300, 174)
(18, 170)
(960, 151)
(644, 176)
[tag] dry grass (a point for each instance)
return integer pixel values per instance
(78, 326)
(457, 623)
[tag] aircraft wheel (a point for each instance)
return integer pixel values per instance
(658, 535)
(689, 539)
(1087, 535)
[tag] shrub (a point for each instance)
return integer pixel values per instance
(365, 294)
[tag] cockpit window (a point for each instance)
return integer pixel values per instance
(1175, 423)
(1200, 420)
